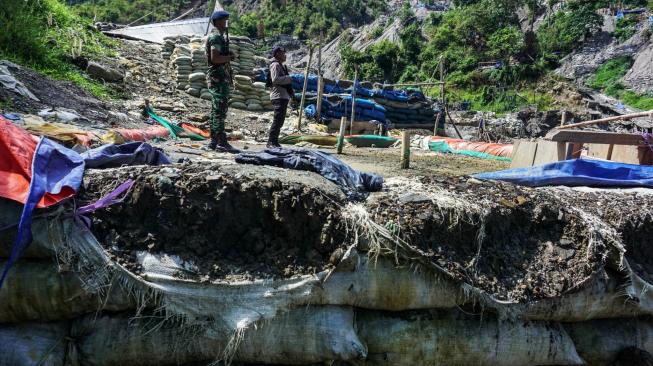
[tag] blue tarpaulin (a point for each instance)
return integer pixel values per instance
(54, 168)
(356, 185)
(577, 172)
(133, 153)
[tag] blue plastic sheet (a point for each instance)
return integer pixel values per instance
(133, 153)
(356, 185)
(577, 172)
(54, 167)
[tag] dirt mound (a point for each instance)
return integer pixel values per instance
(53, 93)
(515, 243)
(228, 222)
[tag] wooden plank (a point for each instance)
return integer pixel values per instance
(405, 149)
(595, 137)
(599, 151)
(548, 152)
(626, 154)
(523, 154)
(625, 117)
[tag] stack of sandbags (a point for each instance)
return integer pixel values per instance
(183, 67)
(248, 95)
(198, 86)
(263, 95)
(241, 92)
(169, 45)
(243, 48)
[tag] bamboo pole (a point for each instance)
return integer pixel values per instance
(301, 104)
(563, 119)
(405, 150)
(353, 102)
(625, 117)
(341, 135)
(320, 81)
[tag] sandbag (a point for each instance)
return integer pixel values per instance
(254, 107)
(452, 338)
(35, 290)
(41, 344)
(599, 341)
(243, 78)
(363, 282)
(602, 297)
(238, 105)
(301, 336)
(41, 231)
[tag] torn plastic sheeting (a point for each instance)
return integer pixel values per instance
(502, 150)
(156, 32)
(58, 131)
(577, 172)
(9, 82)
(17, 148)
(356, 185)
(149, 133)
(133, 153)
(443, 147)
(55, 170)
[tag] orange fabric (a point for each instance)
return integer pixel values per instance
(502, 150)
(17, 148)
(196, 130)
(142, 135)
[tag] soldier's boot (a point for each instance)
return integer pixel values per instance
(214, 142)
(224, 146)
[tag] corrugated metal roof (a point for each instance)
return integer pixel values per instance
(157, 31)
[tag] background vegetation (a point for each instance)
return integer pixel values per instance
(45, 35)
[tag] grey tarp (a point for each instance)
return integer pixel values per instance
(157, 31)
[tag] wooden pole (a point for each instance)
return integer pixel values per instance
(437, 120)
(625, 117)
(341, 135)
(405, 150)
(301, 104)
(353, 102)
(442, 80)
(320, 81)
(563, 119)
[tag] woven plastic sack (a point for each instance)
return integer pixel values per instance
(302, 336)
(454, 339)
(41, 344)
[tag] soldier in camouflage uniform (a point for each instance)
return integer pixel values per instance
(218, 58)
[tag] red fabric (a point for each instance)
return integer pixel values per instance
(503, 150)
(17, 148)
(196, 130)
(142, 135)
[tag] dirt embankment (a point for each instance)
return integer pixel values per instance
(238, 223)
(512, 242)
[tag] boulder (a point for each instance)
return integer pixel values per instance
(103, 72)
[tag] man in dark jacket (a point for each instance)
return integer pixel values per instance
(280, 95)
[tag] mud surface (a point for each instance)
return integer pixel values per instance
(53, 93)
(233, 223)
(512, 242)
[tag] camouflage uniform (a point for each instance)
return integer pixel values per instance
(218, 86)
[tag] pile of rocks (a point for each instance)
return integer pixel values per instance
(250, 96)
